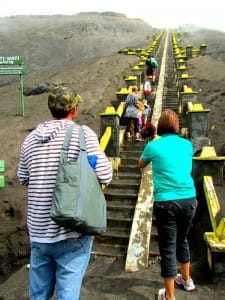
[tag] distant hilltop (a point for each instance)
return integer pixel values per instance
(189, 27)
(105, 13)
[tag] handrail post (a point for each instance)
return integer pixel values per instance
(203, 49)
(196, 121)
(189, 50)
(187, 95)
(184, 79)
(110, 118)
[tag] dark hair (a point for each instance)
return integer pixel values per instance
(59, 113)
(134, 88)
(168, 122)
(148, 130)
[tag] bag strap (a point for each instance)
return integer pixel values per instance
(82, 139)
(68, 135)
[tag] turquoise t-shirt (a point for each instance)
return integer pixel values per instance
(171, 157)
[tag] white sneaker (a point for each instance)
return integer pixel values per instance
(162, 295)
(188, 285)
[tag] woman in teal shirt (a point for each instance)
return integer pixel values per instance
(174, 200)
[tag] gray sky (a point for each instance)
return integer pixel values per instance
(158, 13)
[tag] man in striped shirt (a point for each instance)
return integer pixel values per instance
(59, 257)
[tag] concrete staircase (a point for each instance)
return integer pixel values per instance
(121, 196)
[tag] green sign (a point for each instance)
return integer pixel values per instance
(2, 181)
(12, 65)
(12, 60)
(12, 71)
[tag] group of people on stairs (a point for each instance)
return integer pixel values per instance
(59, 257)
(138, 110)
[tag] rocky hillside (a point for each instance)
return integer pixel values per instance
(82, 50)
(59, 40)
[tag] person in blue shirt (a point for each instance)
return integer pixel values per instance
(175, 200)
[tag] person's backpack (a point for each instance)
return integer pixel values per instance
(151, 62)
(148, 62)
(154, 63)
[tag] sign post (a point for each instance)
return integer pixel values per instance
(2, 177)
(14, 65)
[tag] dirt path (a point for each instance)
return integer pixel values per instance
(107, 280)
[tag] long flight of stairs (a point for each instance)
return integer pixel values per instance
(121, 196)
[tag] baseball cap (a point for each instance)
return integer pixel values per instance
(63, 97)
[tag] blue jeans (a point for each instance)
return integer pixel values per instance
(60, 266)
(174, 220)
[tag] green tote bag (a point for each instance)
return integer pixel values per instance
(78, 201)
